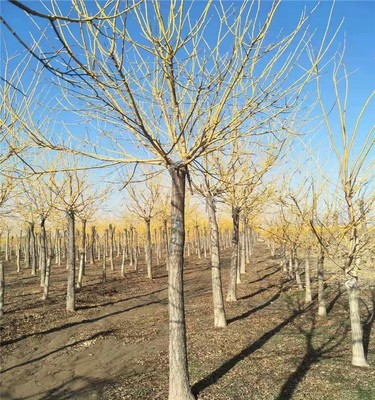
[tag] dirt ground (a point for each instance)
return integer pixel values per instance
(116, 345)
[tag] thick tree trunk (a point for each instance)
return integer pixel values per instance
(179, 387)
(71, 263)
(322, 311)
(217, 290)
(232, 295)
(165, 235)
(358, 354)
(148, 252)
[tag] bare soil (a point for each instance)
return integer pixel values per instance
(116, 345)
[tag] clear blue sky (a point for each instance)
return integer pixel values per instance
(358, 29)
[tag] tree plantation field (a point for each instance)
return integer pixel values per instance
(115, 346)
(187, 199)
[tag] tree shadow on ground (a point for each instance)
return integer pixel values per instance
(315, 352)
(92, 388)
(82, 322)
(334, 300)
(255, 309)
(219, 372)
(67, 346)
(110, 303)
(265, 276)
(261, 290)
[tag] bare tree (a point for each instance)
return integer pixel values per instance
(355, 186)
(168, 92)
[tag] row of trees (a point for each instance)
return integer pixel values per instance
(153, 83)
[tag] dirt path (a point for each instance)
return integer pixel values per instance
(115, 346)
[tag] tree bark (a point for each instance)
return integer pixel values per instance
(43, 251)
(2, 286)
(179, 387)
(232, 295)
(308, 296)
(47, 279)
(93, 236)
(71, 263)
(358, 353)
(33, 250)
(217, 290)
(322, 311)
(148, 252)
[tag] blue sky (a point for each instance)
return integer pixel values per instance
(358, 29)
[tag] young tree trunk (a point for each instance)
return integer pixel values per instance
(217, 290)
(111, 232)
(47, 279)
(71, 262)
(198, 241)
(43, 251)
(80, 270)
(242, 252)
(93, 235)
(322, 311)
(308, 296)
(135, 249)
(33, 250)
(2, 286)
(104, 270)
(358, 354)
(148, 248)
(297, 273)
(82, 263)
(179, 387)
(27, 249)
(232, 295)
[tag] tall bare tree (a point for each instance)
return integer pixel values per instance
(165, 87)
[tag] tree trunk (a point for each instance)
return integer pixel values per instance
(243, 252)
(322, 311)
(71, 263)
(308, 296)
(2, 286)
(47, 279)
(27, 249)
(43, 251)
(111, 246)
(179, 387)
(198, 241)
(358, 354)
(33, 250)
(93, 235)
(297, 273)
(104, 270)
(232, 295)
(80, 270)
(148, 248)
(217, 291)
(82, 263)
